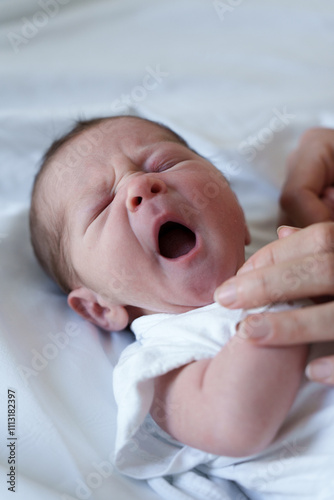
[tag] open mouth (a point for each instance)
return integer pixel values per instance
(175, 240)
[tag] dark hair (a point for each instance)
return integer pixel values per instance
(48, 229)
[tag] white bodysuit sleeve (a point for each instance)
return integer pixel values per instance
(163, 343)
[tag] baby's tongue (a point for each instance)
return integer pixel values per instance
(175, 240)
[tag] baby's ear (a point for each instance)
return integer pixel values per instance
(92, 307)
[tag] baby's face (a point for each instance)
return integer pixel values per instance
(151, 224)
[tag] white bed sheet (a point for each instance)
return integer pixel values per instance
(218, 72)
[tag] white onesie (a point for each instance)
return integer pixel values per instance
(298, 464)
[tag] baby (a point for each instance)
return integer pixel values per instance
(137, 228)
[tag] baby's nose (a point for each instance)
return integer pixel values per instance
(142, 188)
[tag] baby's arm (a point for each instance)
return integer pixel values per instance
(234, 403)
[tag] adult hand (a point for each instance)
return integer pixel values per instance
(308, 193)
(299, 265)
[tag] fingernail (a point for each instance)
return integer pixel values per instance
(283, 231)
(226, 295)
(255, 327)
(319, 370)
(283, 226)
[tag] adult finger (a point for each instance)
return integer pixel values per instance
(274, 252)
(300, 265)
(310, 276)
(310, 172)
(293, 243)
(304, 206)
(328, 200)
(321, 370)
(309, 324)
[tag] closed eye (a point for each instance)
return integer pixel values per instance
(166, 156)
(99, 209)
(163, 165)
(167, 164)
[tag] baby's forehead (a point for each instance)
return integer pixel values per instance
(99, 145)
(119, 135)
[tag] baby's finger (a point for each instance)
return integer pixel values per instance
(321, 370)
(296, 326)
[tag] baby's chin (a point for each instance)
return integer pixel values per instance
(201, 299)
(178, 308)
(189, 295)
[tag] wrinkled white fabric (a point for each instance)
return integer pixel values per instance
(144, 451)
(228, 67)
